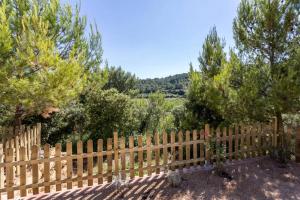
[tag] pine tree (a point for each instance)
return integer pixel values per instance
(45, 57)
(267, 36)
(203, 96)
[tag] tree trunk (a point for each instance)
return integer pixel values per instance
(18, 118)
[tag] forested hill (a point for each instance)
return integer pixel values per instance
(172, 86)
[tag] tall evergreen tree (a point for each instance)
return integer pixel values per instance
(45, 56)
(203, 97)
(267, 35)
(212, 55)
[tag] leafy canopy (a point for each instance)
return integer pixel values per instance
(45, 57)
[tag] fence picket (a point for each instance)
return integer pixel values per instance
(187, 147)
(69, 165)
(140, 155)
(28, 143)
(173, 153)
(242, 142)
(248, 137)
(23, 191)
(109, 160)
(17, 158)
(79, 163)
(35, 170)
(131, 156)
(9, 173)
(90, 162)
(195, 147)
(218, 147)
(157, 153)
(123, 158)
(236, 142)
(58, 167)
(202, 145)
(207, 142)
(116, 154)
(47, 168)
(180, 148)
(230, 143)
(100, 161)
(165, 149)
(39, 132)
(149, 154)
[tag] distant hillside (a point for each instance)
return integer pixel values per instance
(172, 86)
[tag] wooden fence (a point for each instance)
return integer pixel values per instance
(53, 170)
(26, 137)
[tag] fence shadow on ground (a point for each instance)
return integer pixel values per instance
(252, 179)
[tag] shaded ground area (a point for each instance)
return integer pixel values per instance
(253, 179)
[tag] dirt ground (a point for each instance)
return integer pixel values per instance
(251, 179)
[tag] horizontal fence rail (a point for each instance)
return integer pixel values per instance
(49, 169)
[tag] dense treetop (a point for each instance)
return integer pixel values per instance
(172, 86)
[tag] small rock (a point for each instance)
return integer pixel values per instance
(174, 178)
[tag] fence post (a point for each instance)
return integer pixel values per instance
(9, 173)
(116, 154)
(298, 145)
(90, 162)
(69, 165)
(28, 144)
(157, 153)
(149, 158)
(202, 146)
(17, 150)
(187, 147)
(39, 132)
(180, 149)
(165, 149)
(236, 142)
(131, 156)
(79, 163)
(218, 146)
(173, 153)
(23, 191)
(195, 147)
(207, 143)
(35, 170)
(58, 166)
(230, 144)
(47, 168)
(100, 161)
(109, 160)
(140, 156)
(123, 158)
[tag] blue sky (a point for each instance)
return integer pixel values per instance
(157, 38)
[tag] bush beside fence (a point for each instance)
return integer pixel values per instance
(159, 152)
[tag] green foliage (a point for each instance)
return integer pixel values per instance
(267, 37)
(45, 56)
(156, 112)
(212, 55)
(260, 82)
(205, 93)
(108, 111)
(171, 86)
(70, 119)
(123, 81)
